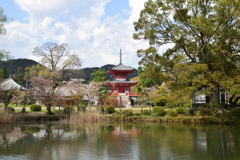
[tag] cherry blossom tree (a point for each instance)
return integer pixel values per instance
(89, 90)
(56, 58)
(74, 89)
(42, 89)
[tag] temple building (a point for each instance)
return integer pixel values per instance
(120, 85)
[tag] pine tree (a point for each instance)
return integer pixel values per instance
(4, 72)
(19, 76)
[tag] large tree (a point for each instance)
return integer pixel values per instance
(57, 58)
(204, 35)
(4, 55)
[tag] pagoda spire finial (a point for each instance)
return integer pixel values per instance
(120, 56)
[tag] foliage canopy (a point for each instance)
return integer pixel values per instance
(204, 37)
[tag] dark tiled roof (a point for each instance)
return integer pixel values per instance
(122, 67)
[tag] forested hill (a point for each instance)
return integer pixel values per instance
(87, 72)
(13, 65)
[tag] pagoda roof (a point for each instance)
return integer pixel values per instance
(122, 82)
(122, 67)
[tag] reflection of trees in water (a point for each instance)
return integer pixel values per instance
(4, 141)
(148, 143)
(219, 141)
(65, 141)
(211, 142)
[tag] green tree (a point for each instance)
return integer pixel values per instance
(3, 20)
(149, 76)
(27, 75)
(133, 88)
(100, 76)
(4, 73)
(204, 46)
(4, 55)
(19, 76)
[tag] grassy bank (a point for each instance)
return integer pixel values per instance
(182, 120)
(120, 115)
(97, 117)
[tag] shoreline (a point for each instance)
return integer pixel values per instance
(132, 119)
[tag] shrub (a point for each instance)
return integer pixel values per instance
(160, 111)
(137, 114)
(35, 107)
(154, 114)
(109, 109)
(146, 112)
(161, 104)
(81, 107)
(127, 112)
(189, 112)
(10, 110)
(235, 112)
(179, 110)
(172, 113)
(205, 111)
(69, 110)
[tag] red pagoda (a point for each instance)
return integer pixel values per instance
(120, 83)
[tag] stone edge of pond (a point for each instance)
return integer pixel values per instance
(136, 119)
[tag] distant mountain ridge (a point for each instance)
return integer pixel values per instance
(106, 67)
(85, 73)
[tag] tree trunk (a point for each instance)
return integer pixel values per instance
(90, 105)
(6, 106)
(49, 108)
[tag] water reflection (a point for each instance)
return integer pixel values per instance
(118, 141)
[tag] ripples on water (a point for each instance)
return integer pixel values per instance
(118, 141)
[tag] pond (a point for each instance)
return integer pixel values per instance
(119, 141)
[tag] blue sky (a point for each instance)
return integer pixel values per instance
(95, 30)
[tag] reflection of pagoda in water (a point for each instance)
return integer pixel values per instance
(120, 85)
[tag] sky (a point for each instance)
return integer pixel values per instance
(95, 30)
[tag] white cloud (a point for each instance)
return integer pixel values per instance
(78, 23)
